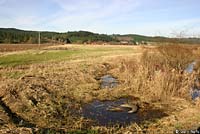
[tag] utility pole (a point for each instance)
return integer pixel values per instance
(52, 40)
(39, 39)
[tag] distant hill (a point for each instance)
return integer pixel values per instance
(12, 35)
(157, 39)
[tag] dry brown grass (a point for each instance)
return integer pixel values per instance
(156, 77)
(177, 56)
(20, 47)
(160, 75)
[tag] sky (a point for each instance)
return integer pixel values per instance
(146, 17)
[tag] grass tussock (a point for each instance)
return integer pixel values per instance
(160, 75)
(176, 56)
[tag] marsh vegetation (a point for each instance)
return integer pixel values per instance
(55, 90)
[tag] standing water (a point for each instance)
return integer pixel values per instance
(190, 67)
(102, 113)
(108, 81)
(195, 90)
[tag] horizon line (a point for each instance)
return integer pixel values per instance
(54, 31)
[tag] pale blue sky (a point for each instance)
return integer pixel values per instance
(148, 17)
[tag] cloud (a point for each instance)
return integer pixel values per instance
(170, 28)
(22, 22)
(86, 13)
(2, 2)
(79, 5)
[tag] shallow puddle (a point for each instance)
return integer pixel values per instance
(195, 90)
(108, 81)
(190, 67)
(98, 111)
(195, 93)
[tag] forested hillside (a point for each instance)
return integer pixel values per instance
(15, 36)
(10, 35)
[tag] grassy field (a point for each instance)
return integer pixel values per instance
(48, 87)
(54, 54)
(20, 47)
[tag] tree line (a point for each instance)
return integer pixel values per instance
(15, 36)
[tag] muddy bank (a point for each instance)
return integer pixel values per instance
(16, 119)
(22, 123)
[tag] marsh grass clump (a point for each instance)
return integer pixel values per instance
(160, 75)
(176, 56)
